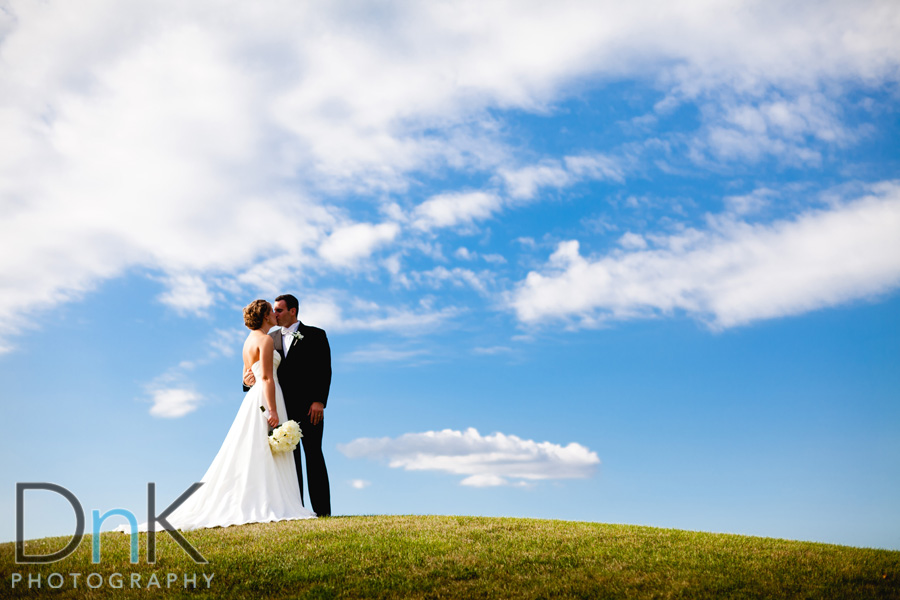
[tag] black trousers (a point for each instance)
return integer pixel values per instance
(317, 474)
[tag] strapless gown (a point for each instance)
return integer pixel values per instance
(245, 483)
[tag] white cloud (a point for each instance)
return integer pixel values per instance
(320, 312)
(359, 484)
(796, 129)
(525, 182)
(151, 136)
(270, 276)
(491, 460)
(171, 403)
(331, 314)
(187, 294)
(492, 350)
(399, 320)
(457, 277)
(464, 253)
(732, 273)
(171, 394)
(222, 342)
(484, 481)
(751, 203)
(806, 115)
(594, 166)
(142, 155)
(448, 210)
(380, 353)
(351, 243)
(632, 241)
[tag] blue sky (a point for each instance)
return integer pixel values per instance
(579, 261)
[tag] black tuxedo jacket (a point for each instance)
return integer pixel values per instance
(305, 373)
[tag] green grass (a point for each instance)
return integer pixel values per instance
(466, 557)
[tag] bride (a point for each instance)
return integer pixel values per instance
(246, 482)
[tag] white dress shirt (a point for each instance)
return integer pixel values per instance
(287, 338)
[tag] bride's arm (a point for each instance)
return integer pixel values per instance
(266, 349)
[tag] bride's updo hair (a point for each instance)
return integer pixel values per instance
(255, 313)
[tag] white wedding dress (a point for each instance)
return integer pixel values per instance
(245, 483)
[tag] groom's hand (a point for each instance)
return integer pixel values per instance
(249, 378)
(316, 413)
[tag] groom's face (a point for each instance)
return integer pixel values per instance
(283, 316)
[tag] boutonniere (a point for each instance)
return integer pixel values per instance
(297, 335)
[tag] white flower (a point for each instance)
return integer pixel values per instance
(285, 437)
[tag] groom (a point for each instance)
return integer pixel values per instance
(305, 377)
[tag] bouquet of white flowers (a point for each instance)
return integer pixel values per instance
(285, 437)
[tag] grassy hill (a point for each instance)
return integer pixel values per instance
(458, 557)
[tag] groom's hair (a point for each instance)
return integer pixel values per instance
(289, 301)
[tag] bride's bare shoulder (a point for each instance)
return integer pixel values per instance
(257, 342)
(252, 346)
(266, 342)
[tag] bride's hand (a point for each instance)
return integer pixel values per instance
(273, 420)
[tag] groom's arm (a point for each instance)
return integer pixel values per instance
(249, 380)
(320, 369)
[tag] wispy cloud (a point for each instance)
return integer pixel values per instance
(491, 460)
(171, 403)
(380, 353)
(448, 210)
(148, 137)
(187, 294)
(457, 277)
(172, 394)
(792, 130)
(731, 273)
(337, 315)
(492, 350)
(351, 243)
(525, 182)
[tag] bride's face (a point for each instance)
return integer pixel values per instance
(270, 318)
